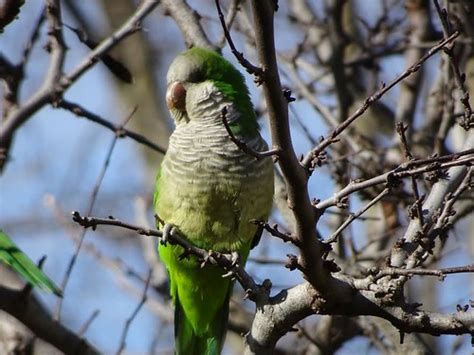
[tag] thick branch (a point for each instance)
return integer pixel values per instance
(433, 203)
(279, 315)
(294, 174)
(31, 313)
(187, 20)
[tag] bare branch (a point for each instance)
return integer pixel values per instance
(294, 174)
(440, 273)
(229, 262)
(307, 161)
(251, 69)
(402, 171)
(31, 313)
(460, 77)
(120, 131)
(354, 216)
(188, 22)
(129, 320)
(90, 207)
(406, 252)
(55, 84)
(244, 147)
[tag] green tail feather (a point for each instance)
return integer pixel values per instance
(210, 343)
(22, 264)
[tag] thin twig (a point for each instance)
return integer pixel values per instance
(307, 161)
(33, 38)
(229, 262)
(354, 216)
(89, 209)
(129, 321)
(83, 329)
(401, 172)
(441, 273)
(231, 14)
(401, 130)
(274, 231)
(244, 147)
(118, 267)
(249, 67)
(123, 132)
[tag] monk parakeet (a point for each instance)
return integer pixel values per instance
(22, 264)
(209, 189)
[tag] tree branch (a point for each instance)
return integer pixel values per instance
(120, 131)
(31, 313)
(229, 262)
(187, 20)
(55, 83)
(294, 174)
(307, 161)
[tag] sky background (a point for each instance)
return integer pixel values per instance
(55, 161)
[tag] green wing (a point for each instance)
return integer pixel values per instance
(23, 265)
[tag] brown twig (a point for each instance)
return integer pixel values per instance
(401, 130)
(468, 121)
(123, 132)
(55, 83)
(441, 273)
(244, 147)
(129, 320)
(403, 171)
(90, 207)
(307, 161)
(354, 216)
(117, 266)
(229, 262)
(274, 231)
(231, 15)
(249, 67)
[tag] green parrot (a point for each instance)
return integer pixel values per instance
(209, 189)
(22, 264)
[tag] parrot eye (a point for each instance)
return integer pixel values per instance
(176, 97)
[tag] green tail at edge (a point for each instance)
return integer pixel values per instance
(211, 343)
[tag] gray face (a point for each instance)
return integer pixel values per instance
(185, 68)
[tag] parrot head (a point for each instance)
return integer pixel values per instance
(198, 79)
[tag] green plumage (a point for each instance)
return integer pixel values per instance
(22, 264)
(209, 189)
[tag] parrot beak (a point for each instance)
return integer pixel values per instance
(176, 97)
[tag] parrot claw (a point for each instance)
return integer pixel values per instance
(207, 259)
(228, 274)
(235, 258)
(168, 229)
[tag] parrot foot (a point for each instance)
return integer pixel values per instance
(235, 258)
(234, 263)
(168, 230)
